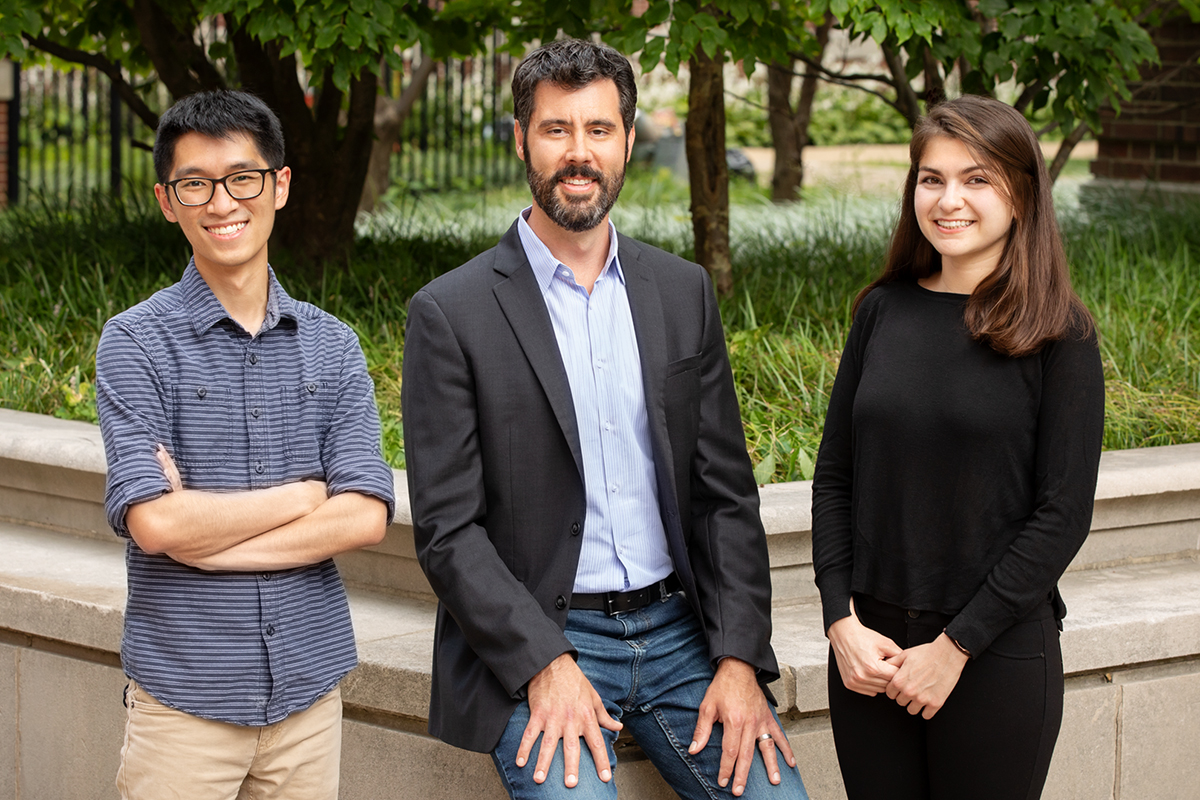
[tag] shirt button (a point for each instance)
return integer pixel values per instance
(254, 413)
(201, 392)
(270, 630)
(254, 358)
(914, 614)
(312, 388)
(560, 602)
(259, 468)
(266, 576)
(574, 528)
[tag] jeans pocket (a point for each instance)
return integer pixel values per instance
(1024, 640)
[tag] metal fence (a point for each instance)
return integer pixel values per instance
(75, 135)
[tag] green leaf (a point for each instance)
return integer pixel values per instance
(765, 469)
(992, 8)
(326, 38)
(804, 464)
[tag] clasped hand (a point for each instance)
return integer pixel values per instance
(920, 679)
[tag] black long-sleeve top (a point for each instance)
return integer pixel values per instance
(952, 478)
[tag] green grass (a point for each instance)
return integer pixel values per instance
(66, 269)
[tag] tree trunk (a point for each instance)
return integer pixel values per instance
(707, 170)
(1064, 150)
(328, 149)
(789, 168)
(389, 119)
(789, 128)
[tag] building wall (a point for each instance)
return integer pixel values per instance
(1156, 136)
(4, 111)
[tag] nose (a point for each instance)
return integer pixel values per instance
(578, 151)
(952, 197)
(222, 201)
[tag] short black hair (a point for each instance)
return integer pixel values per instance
(573, 64)
(218, 114)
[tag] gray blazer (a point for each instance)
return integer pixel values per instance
(495, 475)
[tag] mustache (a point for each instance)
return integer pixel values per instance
(578, 171)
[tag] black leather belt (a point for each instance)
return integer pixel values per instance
(618, 602)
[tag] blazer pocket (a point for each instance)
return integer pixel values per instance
(683, 365)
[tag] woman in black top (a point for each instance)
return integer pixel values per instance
(956, 475)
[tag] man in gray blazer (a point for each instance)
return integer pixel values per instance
(582, 499)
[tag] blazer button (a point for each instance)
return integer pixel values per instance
(560, 602)
(574, 528)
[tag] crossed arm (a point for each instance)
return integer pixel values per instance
(281, 527)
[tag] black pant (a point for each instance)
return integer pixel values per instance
(993, 738)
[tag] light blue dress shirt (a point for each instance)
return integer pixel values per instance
(624, 546)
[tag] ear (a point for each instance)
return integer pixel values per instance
(283, 186)
(163, 195)
(629, 137)
(519, 139)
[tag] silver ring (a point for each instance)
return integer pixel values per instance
(766, 737)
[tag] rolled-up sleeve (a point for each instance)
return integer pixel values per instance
(133, 422)
(352, 454)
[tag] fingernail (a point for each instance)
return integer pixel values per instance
(738, 790)
(605, 775)
(520, 761)
(570, 780)
(539, 776)
(692, 747)
(775, 777)
(723, 782)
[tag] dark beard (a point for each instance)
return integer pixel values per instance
(574, 214)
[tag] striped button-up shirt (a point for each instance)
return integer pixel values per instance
(624, 545)
(236, 413)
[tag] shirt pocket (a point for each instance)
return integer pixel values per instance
(203, 424)
(307, 413)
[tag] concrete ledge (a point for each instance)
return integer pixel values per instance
(1131, 644)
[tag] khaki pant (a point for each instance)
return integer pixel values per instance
(170, 754)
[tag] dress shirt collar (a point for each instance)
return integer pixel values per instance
(545, 264)
(205, 310)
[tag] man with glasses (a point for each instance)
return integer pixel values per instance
(243, 449)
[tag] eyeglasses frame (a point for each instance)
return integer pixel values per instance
(221, 181)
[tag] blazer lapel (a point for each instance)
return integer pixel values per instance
(649, 323)
(520, 299)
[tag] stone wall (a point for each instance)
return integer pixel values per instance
(1154, 139)
(1131, 645)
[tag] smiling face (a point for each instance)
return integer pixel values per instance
(960, 209)
(226, 235)
(575, 153)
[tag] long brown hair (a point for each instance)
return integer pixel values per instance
(1027, 300)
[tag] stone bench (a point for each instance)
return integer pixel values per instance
(1131, 646)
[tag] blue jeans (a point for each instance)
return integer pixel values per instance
(651, 669)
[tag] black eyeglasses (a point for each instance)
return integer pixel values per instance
(244, 185)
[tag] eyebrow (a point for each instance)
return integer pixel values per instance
(605, 123)
(184, 172)
(938, 172)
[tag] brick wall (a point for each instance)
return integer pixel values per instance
(1157, 135)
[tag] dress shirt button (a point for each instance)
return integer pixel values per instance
(259, 468)
(270, 630)
(254, 358)
(266, 576)
(914, 614)
(201, 392)
(255, 412)
(560, 602)
(574, 528)
(312, 388)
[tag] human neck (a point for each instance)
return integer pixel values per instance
(958, 278)
(585, 253)
(241, 290)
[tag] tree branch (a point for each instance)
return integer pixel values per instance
(906, 99)
(1064, 150)
(1027, 96)
(109, 68)
(180, 63)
